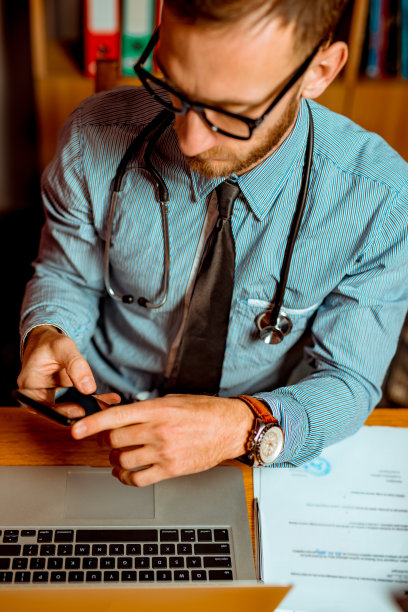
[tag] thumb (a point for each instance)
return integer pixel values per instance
(78, 370)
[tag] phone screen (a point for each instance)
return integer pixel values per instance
(54, 410)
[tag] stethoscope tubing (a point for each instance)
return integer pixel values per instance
(152, 133)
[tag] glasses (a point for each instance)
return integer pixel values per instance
(221, 121)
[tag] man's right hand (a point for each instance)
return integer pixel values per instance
(51, 359)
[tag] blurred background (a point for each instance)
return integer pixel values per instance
(54, 53)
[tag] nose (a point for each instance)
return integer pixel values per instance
(194, 135)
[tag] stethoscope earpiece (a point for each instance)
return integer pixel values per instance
(273, 333)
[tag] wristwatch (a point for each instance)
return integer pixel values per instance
(265, 442)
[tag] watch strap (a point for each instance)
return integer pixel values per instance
(258, 408)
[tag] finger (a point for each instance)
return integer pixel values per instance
(132, 435)
(140, 478)
(77, 368)
(73, 411)
(108, 399)
(133, 457)
(115, 417)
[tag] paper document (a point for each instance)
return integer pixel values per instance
(337, 527)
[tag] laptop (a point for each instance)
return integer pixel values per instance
(78, 534)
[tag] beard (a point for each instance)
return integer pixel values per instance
(219, 161)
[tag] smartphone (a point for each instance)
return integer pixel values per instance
(29, 398)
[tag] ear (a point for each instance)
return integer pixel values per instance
(324, 69)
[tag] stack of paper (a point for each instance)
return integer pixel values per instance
(337, 527)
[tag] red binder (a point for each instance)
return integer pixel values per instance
(102, 32)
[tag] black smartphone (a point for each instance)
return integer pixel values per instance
(30, 398)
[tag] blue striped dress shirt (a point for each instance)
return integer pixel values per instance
(347, 290)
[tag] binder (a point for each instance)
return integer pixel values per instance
(138, 23)
(102, 32)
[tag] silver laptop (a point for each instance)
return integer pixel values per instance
(71, 526)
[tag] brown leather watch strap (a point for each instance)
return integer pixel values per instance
(258, 408)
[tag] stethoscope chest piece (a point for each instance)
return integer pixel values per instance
(273, 333)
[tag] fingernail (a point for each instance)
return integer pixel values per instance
(79, 429)
(87, 384)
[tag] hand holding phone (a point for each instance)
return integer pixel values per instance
(57, 409)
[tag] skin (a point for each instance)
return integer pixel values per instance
(239, 68)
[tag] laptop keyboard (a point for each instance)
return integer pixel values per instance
(114, 555)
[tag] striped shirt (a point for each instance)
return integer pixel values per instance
(347, 289)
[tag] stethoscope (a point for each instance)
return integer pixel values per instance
(272, 324)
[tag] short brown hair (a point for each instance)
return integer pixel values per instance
(315, 20)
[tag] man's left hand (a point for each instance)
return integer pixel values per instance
(173, 435)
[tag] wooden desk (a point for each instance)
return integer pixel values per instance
(26, 439)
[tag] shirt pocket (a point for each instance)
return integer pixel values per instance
(243, 337)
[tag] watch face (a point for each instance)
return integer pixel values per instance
(271, 444)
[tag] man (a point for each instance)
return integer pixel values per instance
(347, 279)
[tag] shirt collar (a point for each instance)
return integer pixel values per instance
(262, 185)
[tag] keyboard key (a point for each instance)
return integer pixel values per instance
(128, 576)
(142, 562)
(5, 563)
(193, 561)
(107, 563)
(30, 550)
(199, 575)
(133, 549)
(167, 549)
(6, 576)
(64, 535)
(212, 549)
(40, 576)
(58, 576)
(28, 533)
(176, 561)
(184, 549)
(37, 563)
(19, 563)
(44, 535)
(65, 550)
(221, 535)
(188, 535)
(10, 539)
(54, 563)
(22, 577)
(204, 535)
(181, 575)
(93, 576)
(89, 563)
(220, 575)
(159, 562)
(99, 549)
(116, 549)
(169, 535)
(146, 576)
(11, 532)
(111, 576)
(47, 550)
(10, 550)
(83, 549)
(217, 561)
(117, 535)
(75, 576)
(163, 575)
(72, 563)
(150, 549)
(125, 562)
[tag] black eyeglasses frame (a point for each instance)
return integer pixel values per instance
(144, 75)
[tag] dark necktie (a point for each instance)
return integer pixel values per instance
(199, 363)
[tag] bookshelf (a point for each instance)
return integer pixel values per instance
(376, 104)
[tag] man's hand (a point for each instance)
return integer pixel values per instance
(172, 435)
(51, 359)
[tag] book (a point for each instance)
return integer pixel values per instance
(138, 23)
(404, 39)
(101, 32)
